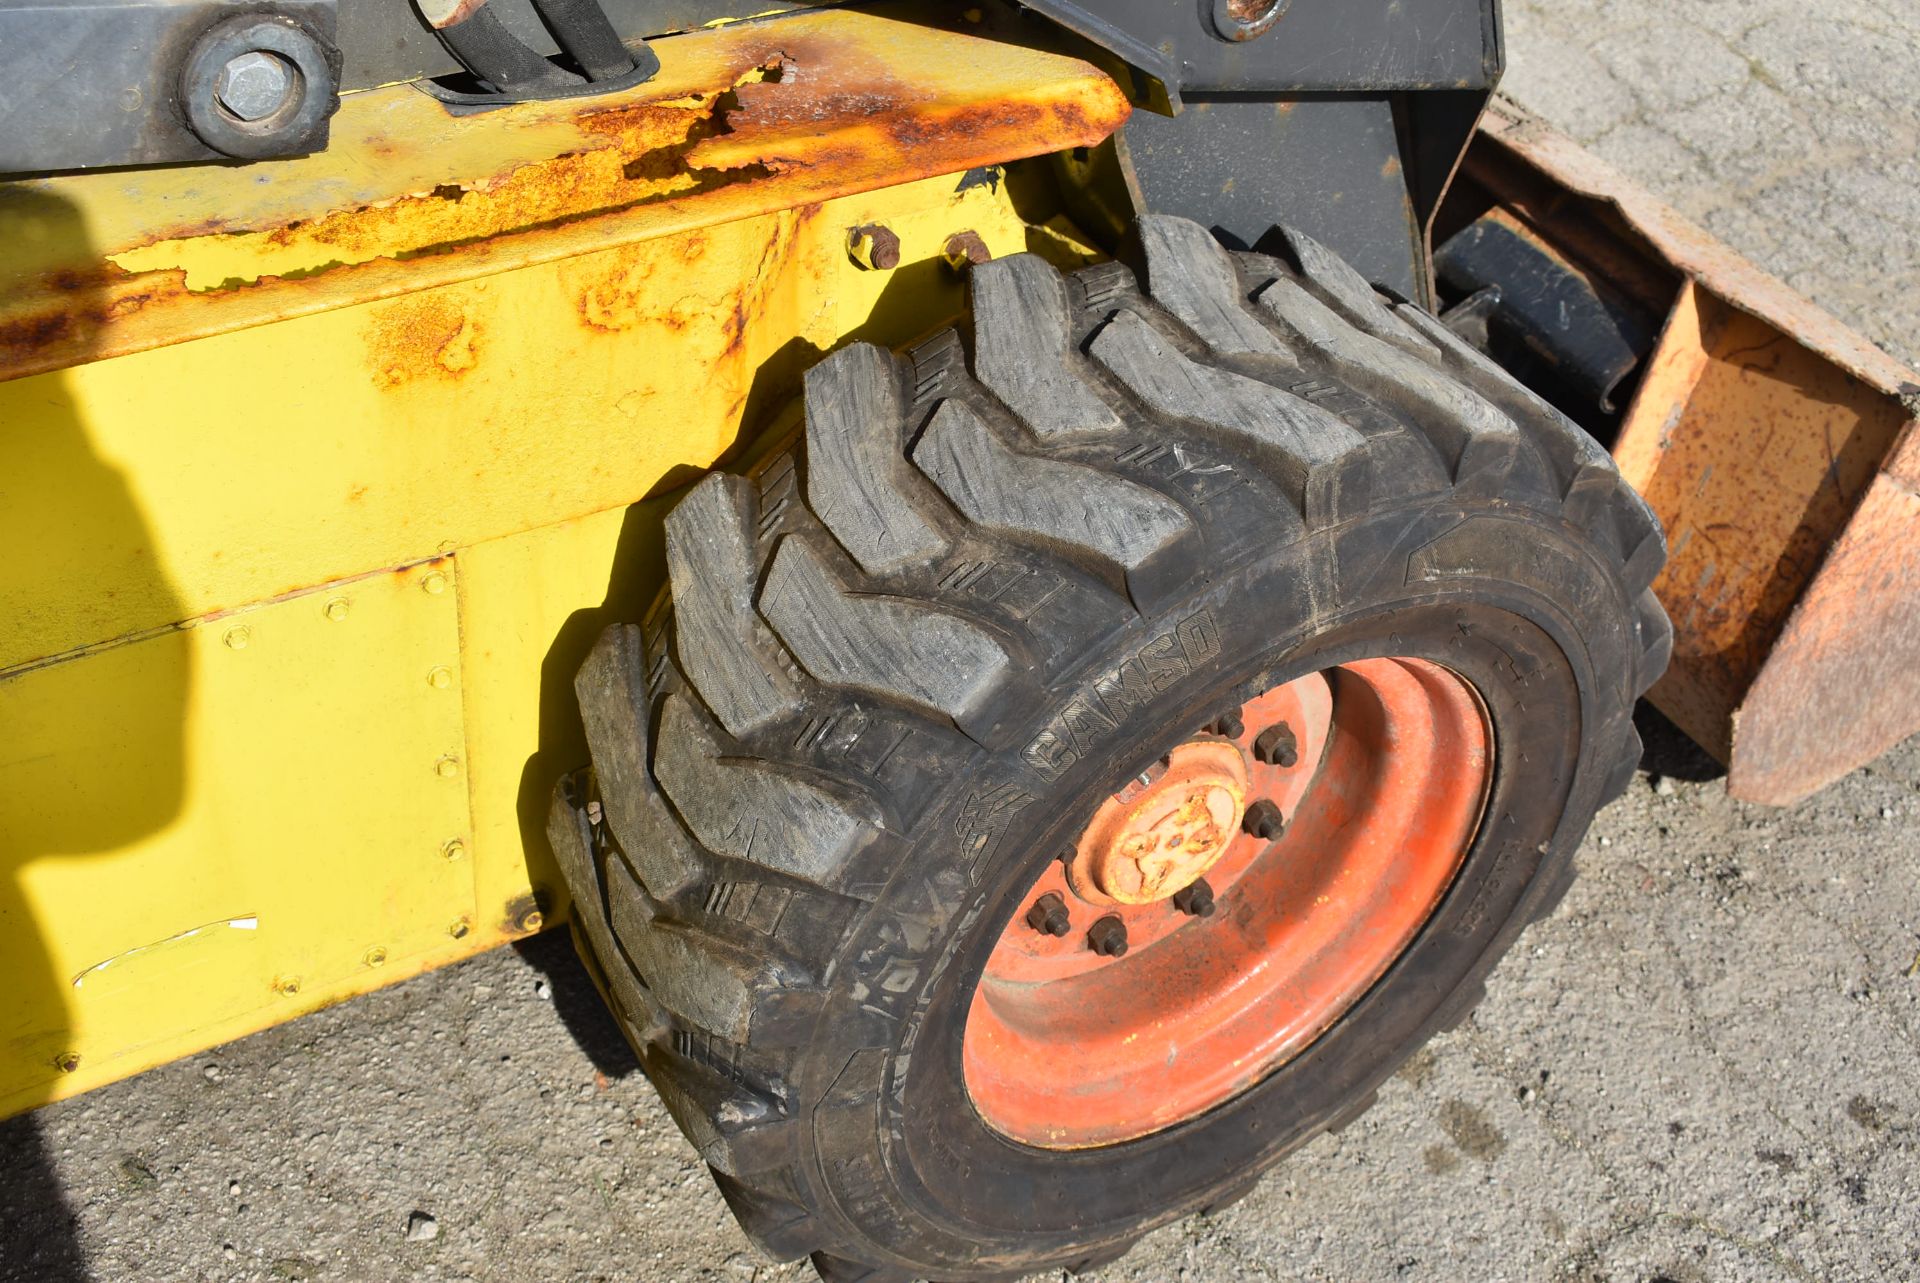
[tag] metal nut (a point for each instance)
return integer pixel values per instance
(1277, 746)
(1049, 915)
(872, 246)
(254, 85)
(1264, 819)
(1195, 900)
(1108, 937)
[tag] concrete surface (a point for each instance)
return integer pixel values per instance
(1705, 1066)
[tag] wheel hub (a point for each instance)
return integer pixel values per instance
(1166, 828)
(1223, 909)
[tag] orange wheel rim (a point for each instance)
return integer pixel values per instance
(1163, 966)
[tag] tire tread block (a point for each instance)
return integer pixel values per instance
(1191, 274)
(856, 479)
(1095, 516)
(1321, 462)
(747, 809)
(1023, 349)
(611, 688)
(895, 647)
(1480, 444)
(723, 646)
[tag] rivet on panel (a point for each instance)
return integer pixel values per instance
(532, 920)
(447, 767)
(287, 986)
(67, 1061)
(440, 678)
(433, 582)
(336, 610)
(237, 637)
(459, 928)
(376, 956)
(454, 849)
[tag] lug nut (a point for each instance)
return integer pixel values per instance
(1264, 819)
(1230, 724)
(1195, 900)
(1276, 745)
(1049, 915)
(1108, 937)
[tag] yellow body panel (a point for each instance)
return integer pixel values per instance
(301, 564)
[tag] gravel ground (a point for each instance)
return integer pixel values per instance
(1705, 1066)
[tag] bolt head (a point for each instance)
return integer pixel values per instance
(336, 610)
(254, 85)
(1276, 746)
(1230, 724)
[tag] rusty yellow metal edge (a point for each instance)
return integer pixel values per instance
(1813, 674)
(742, 120)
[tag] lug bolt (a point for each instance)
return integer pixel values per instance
(1276, 745)
(872, 246)
(1230, 724)
(1264, 819)
(1108, 937)
(1195, 900)
(1049, 915)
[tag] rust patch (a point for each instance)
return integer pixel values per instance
(765, 116)
(423, 336)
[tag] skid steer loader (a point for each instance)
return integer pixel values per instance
(1046, 587)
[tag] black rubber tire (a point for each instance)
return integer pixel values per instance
(900, 664)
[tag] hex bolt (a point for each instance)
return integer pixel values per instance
(872, 246)
(1230, 724)
(1277, 746)
(1108, 937)
(254, 85)
(1049, 915)
(1195, 900)
(964, 250)
(1264, 819)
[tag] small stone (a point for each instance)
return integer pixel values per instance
(543, 991)
(233, 1189)
(1886, 813)
(741, 1266)
(1664, 787)
(422, 1228)
(229, 1251)
(1606, 841)
(211, 1073)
